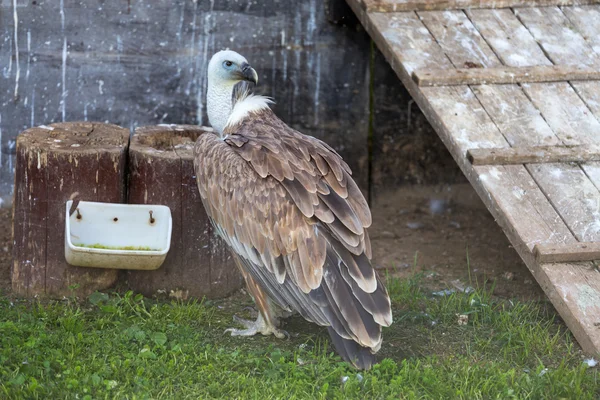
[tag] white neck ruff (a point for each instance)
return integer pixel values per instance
(242, 108)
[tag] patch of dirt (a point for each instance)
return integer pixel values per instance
(436, 225)
(439, 227)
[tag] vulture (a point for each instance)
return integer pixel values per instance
(294, 219)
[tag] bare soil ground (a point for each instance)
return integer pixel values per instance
(438, 226)
(447, 233)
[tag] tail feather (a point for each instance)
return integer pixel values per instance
(360, 357)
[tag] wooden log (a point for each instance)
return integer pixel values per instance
(502, 75)
(85, 160)
(161, 171)
(440, 5)
(563, 253)
(534, 155)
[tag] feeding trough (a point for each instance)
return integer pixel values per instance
(120, 236)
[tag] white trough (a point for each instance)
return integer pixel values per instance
(121, 236)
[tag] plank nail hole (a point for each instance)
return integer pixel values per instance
(78, 213)
(152, 220)
(115, 219)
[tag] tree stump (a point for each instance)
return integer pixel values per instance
(161, 171)
(83, 160)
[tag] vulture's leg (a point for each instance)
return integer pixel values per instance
(267, 322)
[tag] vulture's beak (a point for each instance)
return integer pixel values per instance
(249, 74)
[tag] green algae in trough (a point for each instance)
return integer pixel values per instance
(101, 246)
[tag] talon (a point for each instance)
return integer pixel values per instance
(244, 322)
(281, 334)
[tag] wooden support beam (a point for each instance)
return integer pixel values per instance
(433, 5)
(503, 75)
(571, 252)
(534, 155)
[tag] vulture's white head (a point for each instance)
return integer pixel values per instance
(226, 69)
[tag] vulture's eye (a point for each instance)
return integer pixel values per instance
(228, 64)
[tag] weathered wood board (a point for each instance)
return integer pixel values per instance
(534, 155)
(441, 5)
(161, 171)
(477, 75)
(541, 204)
(55, 163)
(561, 253)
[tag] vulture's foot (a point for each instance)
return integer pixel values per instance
(258, 326)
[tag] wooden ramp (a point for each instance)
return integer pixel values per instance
(515, 96)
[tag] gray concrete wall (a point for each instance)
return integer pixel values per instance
(140, 62)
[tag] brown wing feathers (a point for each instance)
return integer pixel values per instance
(298, 212)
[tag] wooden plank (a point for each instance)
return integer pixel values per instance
(526, 212)
(566, 111)
(590, 94)
(581, 30)
(575, 292)
(506, 35)
(573, 195)
(561, 253)
(592, 170)
(406, 37)
(384, 6)
(586, 20)
(562, 108)
(517, 118)
(536, 155)
(502, 75)
(558, 37)
(459, 39)
(555, 282)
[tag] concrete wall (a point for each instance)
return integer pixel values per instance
(140, 62)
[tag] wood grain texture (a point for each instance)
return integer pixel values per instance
(82, 158)
(569, 286)
(502, 75)
(573, 195)
(161, 172)
(535, 155)
(574, 252)
(440, 5)
(564, 117)
(575, 292)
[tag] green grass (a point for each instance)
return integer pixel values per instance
(128, 347)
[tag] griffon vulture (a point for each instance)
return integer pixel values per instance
(286, 205)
